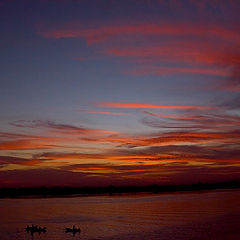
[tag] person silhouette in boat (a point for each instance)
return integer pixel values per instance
(73, 230)
(34, 228)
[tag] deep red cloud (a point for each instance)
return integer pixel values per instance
(100, 33)
(202, 47)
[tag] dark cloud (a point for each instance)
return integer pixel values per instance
(45, 124)
(59, 127)
(228, 153)
(231, 104)
(8, 135)
(70, 155)
(6, 160)
(211, 120)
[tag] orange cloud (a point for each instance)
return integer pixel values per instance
(138, 105)
(5, 161)
(169, 138)
(27, 144)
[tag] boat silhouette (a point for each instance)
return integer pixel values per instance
(35, 228)
(73, 230)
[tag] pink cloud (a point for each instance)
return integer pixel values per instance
(179, 70)
(139, 105)
(103, 32)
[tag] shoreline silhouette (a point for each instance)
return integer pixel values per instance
(59, 191)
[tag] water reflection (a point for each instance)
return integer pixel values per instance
(182, 216)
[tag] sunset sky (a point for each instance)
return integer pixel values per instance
(119, 92)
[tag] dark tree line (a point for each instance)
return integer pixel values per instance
(71, 191)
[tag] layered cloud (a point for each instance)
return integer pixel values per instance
(205, 44)
(139, 105)
(125, 175)
(61, 128)
(6, 160)
(145, 127)
(104, 112)
(120, 158)
(100, 33)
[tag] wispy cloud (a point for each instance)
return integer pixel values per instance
(205, 120)
(6, 160)
(140, 105)
(105, 113)
(61, 128)
(170, 116)
(162, 47)
(28, 144)
(49, 135)
(103, 32)
(158, 71)
(15, 141)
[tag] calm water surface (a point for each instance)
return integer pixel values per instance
(183, 216)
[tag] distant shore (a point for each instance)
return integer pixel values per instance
(45, 192)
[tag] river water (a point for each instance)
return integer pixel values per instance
(203, 215)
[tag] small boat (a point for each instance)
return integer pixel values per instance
(35, 228)
(73, 230)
